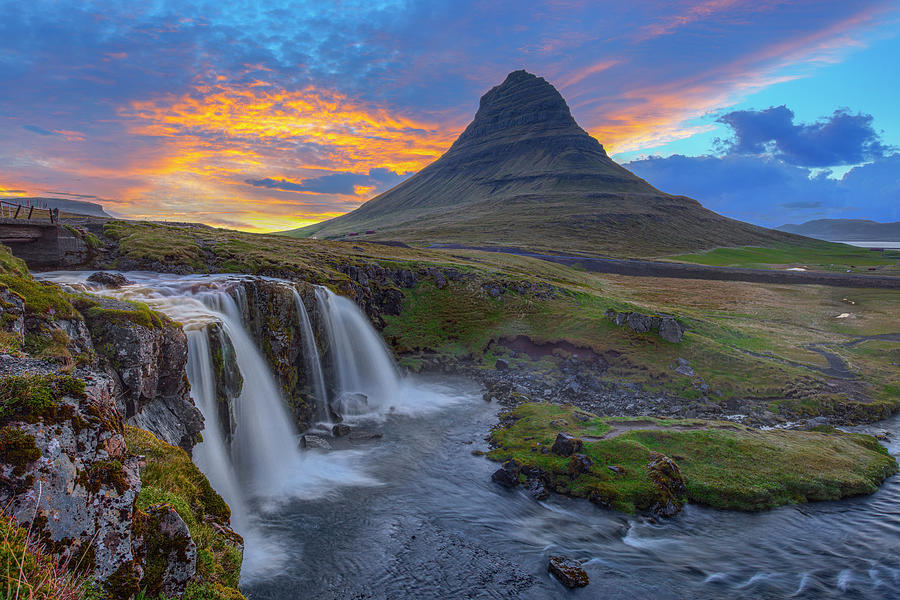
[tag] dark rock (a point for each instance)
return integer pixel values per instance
(350, 403)
(12, 315)
(508, 474)
(536, 489)
(671, 330)
(616, 469)
(640, 323)
(579, 464)
(669, 483)
(439, 280)
(683, 367)
(501, 364)
(566, 445)
(312, 441)
(108, 279)
(340, 430)
(170, 549)
(568, 571)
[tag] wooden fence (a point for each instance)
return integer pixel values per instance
(10, 210)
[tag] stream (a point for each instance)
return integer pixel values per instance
(414, 513)
(435, 526)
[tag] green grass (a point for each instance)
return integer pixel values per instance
(724, 465)
(818, 255)
(171, 477)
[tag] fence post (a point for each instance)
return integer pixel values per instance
(17, 211)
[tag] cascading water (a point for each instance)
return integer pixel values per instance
(212, 455)
(313, 364)
(264, 440)
(359, 358)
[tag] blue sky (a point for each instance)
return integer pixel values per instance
(266, 116)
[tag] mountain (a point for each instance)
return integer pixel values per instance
(77, 207)
(523, 173)
(846, 230)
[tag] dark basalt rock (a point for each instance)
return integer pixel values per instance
(311, 441)
(110, 280)
(508, 474)
(349, 403)
(568, 572)
(501, 364)
(566, 444)
(536, 489)
(340, 430)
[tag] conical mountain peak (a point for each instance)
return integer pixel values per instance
(524, 174)
(523, 104)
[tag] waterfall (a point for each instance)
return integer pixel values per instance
(264, 440)
(313, 364)
(212, 455)
(360, 360)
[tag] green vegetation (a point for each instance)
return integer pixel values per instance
(140, 314)
(815, 256)
(31, 397)
(170, 477)
(41, 299)
(155, 242)
(17, 448)
(724, 465)
(27, 571)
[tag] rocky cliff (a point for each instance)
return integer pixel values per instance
(75, 369)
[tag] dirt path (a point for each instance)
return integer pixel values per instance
(623, 427)
(649, 268)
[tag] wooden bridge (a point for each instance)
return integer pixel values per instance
(34, 235)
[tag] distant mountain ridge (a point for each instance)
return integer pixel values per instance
(79, 207)
(523, 173)
(846, 230)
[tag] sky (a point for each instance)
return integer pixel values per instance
(266, 116)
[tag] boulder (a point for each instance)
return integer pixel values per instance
(568, 571)
(579, 464)
(669, 483)
(536, 489)
(508, 474)
(350, 403)
(671, 330)
(641, 323)
(311, 441)
(108, 279)
(501, 364)
(566, 444)
(169, 552)
(340, 430)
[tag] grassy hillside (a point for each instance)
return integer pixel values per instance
(744, 340)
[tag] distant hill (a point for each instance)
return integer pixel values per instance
(78, 207)
(523, 173)
(846, 230)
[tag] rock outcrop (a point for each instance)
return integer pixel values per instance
(65, 470)
(666, 326)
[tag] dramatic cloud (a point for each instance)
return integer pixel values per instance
(336, 183)
(167, 107)
(771, 192)
(841, 139)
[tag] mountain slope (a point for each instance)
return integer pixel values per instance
(846, 230)
(523, 173)
(76, 207)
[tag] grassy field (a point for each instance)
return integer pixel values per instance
(744, 340)
(724, 465)
(816, 256)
